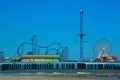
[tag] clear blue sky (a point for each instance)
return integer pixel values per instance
(59, 21)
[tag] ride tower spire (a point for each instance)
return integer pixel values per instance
(81, 35)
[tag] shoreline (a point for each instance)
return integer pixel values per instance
(69, 75)
(109, 76)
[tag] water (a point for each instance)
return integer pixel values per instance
(58, 73)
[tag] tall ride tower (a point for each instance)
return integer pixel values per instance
(81, 35)
(34, 41)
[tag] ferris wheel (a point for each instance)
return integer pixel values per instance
(102, 47)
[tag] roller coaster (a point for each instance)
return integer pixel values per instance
(54, 48)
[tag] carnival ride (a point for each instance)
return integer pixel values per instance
(103, 50)
(52, 52)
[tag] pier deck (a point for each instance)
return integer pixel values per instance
(59, 65)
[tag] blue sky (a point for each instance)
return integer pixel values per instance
(59, 21)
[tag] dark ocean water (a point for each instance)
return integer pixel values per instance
(61, 72)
